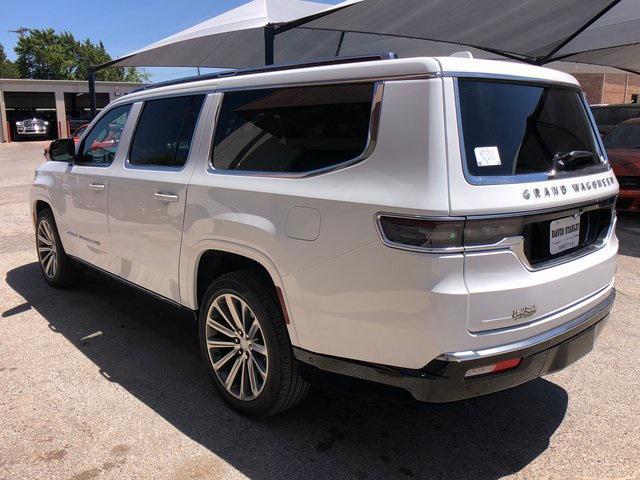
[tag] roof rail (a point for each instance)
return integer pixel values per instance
(273, 68)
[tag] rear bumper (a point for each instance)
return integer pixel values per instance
(443, 379)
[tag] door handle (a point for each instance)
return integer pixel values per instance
(96, 187)
(166, 197)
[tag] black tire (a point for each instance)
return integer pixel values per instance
(63, 272)
(283, 386)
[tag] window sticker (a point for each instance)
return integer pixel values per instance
(487, 156)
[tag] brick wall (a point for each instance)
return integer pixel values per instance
(618, 87)
(591, 83)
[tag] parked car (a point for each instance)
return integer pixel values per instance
(623, 149)
(608, 116)
(32, 127)
(443, 225)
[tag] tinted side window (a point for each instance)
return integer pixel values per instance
(164, 131)
(297, 129)
(101, 144)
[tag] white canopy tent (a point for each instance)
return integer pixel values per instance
(264, 32)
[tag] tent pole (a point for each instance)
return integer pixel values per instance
(92, 91)
(269, 41)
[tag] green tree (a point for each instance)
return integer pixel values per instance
(45, 54)
(7, 67)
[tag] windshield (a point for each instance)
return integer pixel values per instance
(516, 129)
(623, 136)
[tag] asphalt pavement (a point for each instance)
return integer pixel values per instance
(102, 382)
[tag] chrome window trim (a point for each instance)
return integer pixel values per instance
(90, 128)
(372, 140)
(527, 177)
(160, 168)
(411, 248)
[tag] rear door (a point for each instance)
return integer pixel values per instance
(528, 171)
(147, 195)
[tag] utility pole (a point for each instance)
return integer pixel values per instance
(21, 31)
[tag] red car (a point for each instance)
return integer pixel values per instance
(78, 133)
(623, 149)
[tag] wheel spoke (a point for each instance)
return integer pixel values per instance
(253, 381)
(253, 330)
(216, 326)
(220, 344)
(233, 373)
(258, 367)
(234, 312)
(242, 375)
(44, 240)
(224, 316)
(48, 265)
(261, 349)
(47, 231)
(54, 267)
(44, 249)
(223, 361)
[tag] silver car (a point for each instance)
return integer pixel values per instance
(32, 127)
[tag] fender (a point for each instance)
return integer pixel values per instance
(39, 197)
(188, 276)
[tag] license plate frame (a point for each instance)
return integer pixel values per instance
(564, 234)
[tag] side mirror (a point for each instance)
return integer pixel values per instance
(63, 150)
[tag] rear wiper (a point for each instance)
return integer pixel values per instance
(565, 160)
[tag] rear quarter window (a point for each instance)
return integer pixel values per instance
(292, 130)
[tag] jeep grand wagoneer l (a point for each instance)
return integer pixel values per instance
(444, 225)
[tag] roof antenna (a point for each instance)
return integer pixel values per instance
(463, 54)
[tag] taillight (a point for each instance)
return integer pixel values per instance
(490, 231)
(422, 234)
(445, 235)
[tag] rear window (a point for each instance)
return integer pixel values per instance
(614, 115)
(512, 129)
(292, 130)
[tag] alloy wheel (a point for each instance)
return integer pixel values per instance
(47, 250)
(237, 347)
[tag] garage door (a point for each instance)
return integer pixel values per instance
(31, 115)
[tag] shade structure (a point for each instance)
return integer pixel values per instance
(234, 39)
(602, 32)
(599, 32)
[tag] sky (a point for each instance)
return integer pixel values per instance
(123, 26)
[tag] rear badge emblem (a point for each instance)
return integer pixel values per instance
(524, 312)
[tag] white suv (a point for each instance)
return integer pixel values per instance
(443, 225)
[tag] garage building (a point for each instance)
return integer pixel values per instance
(63, 104)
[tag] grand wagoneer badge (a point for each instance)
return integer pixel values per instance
(561, 190)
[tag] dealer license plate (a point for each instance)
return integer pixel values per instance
(564, 234)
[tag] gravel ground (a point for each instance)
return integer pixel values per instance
(103, 382)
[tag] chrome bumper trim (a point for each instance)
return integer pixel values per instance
(564, 329)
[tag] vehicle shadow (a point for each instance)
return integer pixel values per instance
(628, 231)
(345, 429)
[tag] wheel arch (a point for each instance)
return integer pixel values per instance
(228, 257)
